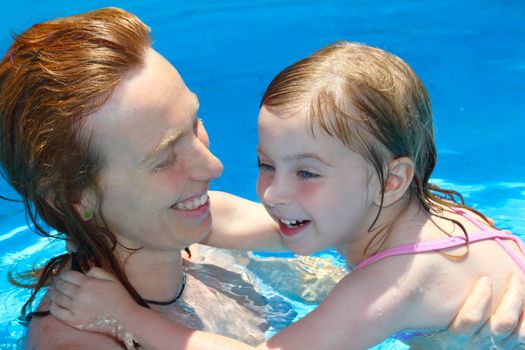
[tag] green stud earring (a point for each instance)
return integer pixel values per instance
(88, 215)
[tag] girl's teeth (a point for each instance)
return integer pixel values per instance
(291, 222)
(193, 204)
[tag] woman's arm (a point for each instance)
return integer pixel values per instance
(240, 224)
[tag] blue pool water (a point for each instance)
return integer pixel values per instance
(470, 56)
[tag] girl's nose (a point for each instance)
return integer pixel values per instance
(277, 193)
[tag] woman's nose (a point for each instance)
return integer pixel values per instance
(205, 166)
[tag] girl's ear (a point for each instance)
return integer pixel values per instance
(87, 205)
(399, 178)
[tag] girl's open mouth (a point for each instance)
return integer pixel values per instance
(292, 227)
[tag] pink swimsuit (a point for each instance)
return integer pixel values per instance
(450, 242)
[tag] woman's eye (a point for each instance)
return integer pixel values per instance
(264, 166)
(165, 164)
(306, 175)
(196, 126)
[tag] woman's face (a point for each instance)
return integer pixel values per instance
(157, 165)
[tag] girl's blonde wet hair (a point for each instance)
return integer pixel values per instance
(375, 104)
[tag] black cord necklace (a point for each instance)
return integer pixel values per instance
(174, 300)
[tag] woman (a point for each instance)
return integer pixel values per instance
(101, 139)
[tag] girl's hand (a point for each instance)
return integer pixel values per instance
(94, 301)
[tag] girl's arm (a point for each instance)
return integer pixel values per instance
(349, 318)
(240, 224)
(97, 302)
(49, 333)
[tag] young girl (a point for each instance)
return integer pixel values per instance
(346, 151)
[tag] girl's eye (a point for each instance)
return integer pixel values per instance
(306, 175)
(165, 164)
(264, 166)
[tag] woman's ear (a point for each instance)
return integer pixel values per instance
(399, 177)
(87, 205)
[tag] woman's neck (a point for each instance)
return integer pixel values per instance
(156, 276)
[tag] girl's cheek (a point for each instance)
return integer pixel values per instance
(262, 184)
(308, 190)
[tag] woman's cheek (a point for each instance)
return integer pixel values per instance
(169, 183)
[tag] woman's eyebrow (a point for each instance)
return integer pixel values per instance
(166, 143)
(171, 140)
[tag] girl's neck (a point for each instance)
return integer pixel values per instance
(155, 275)
(394, 226)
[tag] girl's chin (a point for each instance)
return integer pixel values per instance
(302, 249)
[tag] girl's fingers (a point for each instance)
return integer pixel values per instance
(74, 277)
(507, 317)
(97, 272)
(65, 287)
(59, 299)
(474, 312)
(61, 313)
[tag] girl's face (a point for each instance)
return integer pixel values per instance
(319, 191)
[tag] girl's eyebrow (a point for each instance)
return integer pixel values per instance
(306, 156)
(300, 156)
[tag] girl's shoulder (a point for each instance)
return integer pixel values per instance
(387, 297)
(458, 221)
(425, 288)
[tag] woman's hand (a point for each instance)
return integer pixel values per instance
(94, 301)
(474, 328)
(505, 322)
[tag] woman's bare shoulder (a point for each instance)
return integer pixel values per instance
(47, 333)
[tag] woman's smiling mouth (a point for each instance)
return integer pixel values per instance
(193, 207)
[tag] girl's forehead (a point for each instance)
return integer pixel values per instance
(298, 123)
(286, 125)
(289, 136)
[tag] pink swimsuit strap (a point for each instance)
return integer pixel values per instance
(451, 242)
